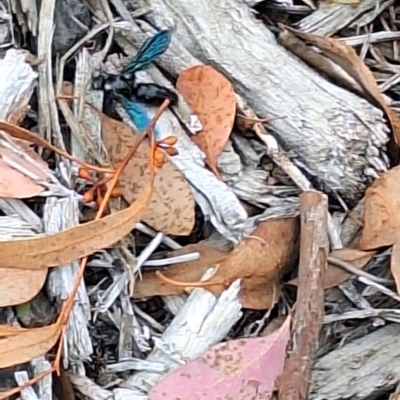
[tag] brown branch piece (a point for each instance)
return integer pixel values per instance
(295, 380)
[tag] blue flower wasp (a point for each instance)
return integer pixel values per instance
(132, 94)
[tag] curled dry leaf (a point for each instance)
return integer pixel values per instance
(238, 369)
(13, 183)
(381, 210)
(80, 241)
(18, 346)
(72, 244)
(335, 275)
(150, 285)
(171, 209)
(382, 218)
(257, 261)
(21, 133)
(212, 97)
(19, 286)
(346, 57)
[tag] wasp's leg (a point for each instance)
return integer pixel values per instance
(109, 107)
(153, 94)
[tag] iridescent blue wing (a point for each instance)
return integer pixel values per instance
(137, 113)
(150, 50)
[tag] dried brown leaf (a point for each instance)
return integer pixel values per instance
(69, 245)
(257, 261)
(382, 216)
(346, 57)
(15, 184)
(18, 346)
(334, 275)
(395, 264)
(150, 285)
(20, 286)
(27, 147)
(212, 98)
(171, 209)
(21, 133)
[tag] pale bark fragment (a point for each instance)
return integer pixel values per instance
(327, 130)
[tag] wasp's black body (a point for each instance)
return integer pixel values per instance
(125, 84)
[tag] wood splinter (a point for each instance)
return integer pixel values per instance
(309, 310)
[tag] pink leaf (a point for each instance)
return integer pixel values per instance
(238, 369)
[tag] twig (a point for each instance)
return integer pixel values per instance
(37, 378)
(63, 318)
(358, 272)
(381, 288)
(95, 31)
(88, 388)
(44, 48)
(173, 260)
(64, 314)
(203, 321)
(21, 133)
(295, 379)
(282, 160)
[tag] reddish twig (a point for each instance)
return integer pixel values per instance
(65, 312)
(64, 315)
(295, 380)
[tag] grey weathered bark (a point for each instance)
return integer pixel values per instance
(360, 370)
(332, 17)
(333, 133)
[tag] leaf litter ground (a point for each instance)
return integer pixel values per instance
(263, 260)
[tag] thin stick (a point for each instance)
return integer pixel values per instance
(307, 322)
(21, 133)
(30, 382)
(64, 315)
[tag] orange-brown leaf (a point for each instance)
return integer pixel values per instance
(15, 184)
(77, 242)
(395, 264)
(257, 261)
(21, 133)
(212, 98)
(19, 286)
(382, 216)
(192, 271)
(18, 346)
(171, 209)
(346, 57)
(334, 275)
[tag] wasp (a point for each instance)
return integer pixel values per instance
(125, 89)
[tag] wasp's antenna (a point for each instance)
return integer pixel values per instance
(150, 50)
